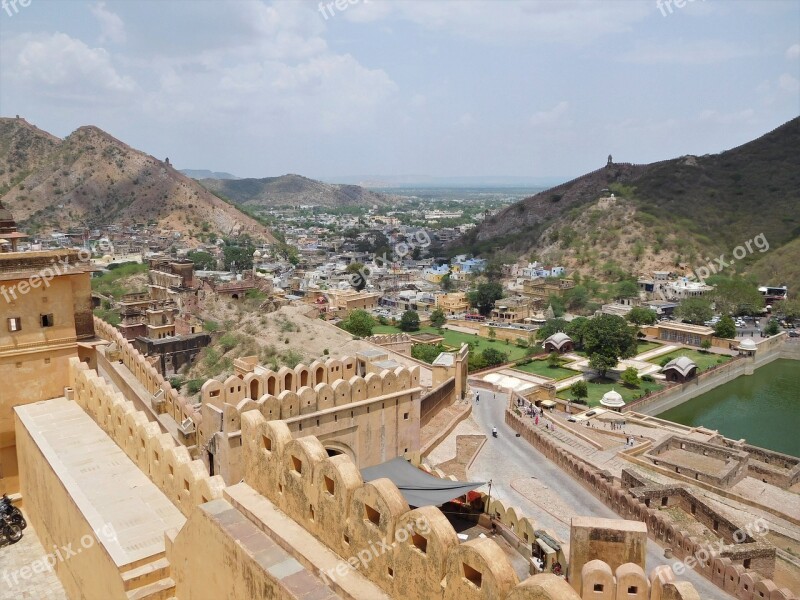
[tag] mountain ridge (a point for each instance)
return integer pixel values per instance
(91, 179)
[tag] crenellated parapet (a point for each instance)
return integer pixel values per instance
(169, 400)
(184, 481)
(371, 526)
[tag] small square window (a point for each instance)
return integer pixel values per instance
(405, 416)
(47, 320)
(47, 361)
(598, 587)
(14, 324)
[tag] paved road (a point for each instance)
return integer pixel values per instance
(509, 459)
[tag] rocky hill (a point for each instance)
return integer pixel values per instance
(661, 214)
(206, 174)
(293, 190)
(93, 179)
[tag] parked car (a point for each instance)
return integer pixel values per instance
(794, 333)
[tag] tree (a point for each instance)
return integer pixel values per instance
(484, 297)
(726, 328)
(608, 339)
(556, 304)
(553, 360)
(359, 323)
(577, 298)
(706, 345)
(790, 309)
(426, 352)
(238, 257)
(492, 357)
(492, 334)
(550, 327)
(438, 319)
(736, 295)
(772, 327)
(576, 329)
(642, 316)
(409, 321)
(203, 261)
(626, 289)
(579, 390)
(695, 310)
(446, 282)
(630, 377)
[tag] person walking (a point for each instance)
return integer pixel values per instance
(477, 398)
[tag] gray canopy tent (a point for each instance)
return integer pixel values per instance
(418, 487)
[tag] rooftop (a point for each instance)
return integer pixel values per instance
(106, 486)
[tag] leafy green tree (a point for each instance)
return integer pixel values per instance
(426, 352)
(706, 345)
(238, 257)
(725, 328)
(577, 298)
(409, 321)
(553, 360)
(608, 339)
(642, 316)
(788, 308)
(445, 282)
(494, 357)
(576, 329)
(484, 297)
(359, 323)
(695, 310)
(492, 334)
(736, 295)
(772, 327)
(558, 304)
(579, 390)
(438, 319)
(550, 327)
(630, 377)
(203, 261)
(626, 289)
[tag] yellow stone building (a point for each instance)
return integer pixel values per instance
(45, 315)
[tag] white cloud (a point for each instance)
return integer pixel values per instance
(465, 120)
(113, 29)
(62, 66)
(578, 21)
(714, 116)
(681, 52)
(788, 83)
(549, 117)
(793, 52)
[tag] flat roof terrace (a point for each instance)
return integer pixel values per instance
(106, 486)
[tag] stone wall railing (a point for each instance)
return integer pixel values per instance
(735, 579)
(327, 497)
(183, 480)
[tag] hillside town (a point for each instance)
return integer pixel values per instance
(399, 300)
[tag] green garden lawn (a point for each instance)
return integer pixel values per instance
(703, 360)
(645, 346)
(456, 338)
(598, 387)
(540, 367)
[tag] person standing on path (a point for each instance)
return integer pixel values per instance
(477, 398)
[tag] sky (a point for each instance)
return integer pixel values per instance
(366, 88)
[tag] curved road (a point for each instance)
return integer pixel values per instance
(510, 460)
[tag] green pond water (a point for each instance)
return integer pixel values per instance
(763, 408)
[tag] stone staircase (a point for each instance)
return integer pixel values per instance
(149, 580)
(603, 459)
